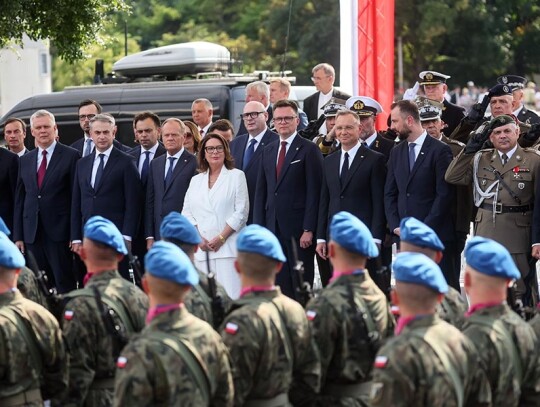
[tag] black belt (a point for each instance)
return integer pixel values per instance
(500, 208)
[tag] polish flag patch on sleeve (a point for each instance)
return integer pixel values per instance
(121, 362)
(381, 362)
(231, 328)
(68, 315)
(310, 314)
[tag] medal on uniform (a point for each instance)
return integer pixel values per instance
(484, 182)
(515, 170)
(521, 185)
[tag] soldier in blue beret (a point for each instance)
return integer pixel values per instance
(262, 324)
(208, 300)
(106, 300)
(429, 362)
(29, 337)
(350, 317)
(178, 359)
(418, 237)
(506, 344)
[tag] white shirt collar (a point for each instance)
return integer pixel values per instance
(420, 140)
(371, 139)
(518, 110)
(50, 149)
(177, 155)
(508, 154)
(352, 152)
(106, 152)
(152, 149)
(289, 140)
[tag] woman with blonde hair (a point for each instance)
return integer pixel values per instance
(192, 138)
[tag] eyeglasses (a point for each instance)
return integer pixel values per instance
(285, 119)
(212, 149)
(86, 116)
(341, 128)
(250, 115)
(189, 135)
(316, 78)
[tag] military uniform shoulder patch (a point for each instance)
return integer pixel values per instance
(68, 315)
(380, 362)
(310, 314)
(532, 150)
(459, 143)
(231, 328)
(121, 362)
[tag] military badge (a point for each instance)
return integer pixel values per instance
(484, 182)
(231, 328)
(504, 80)
(429, 76)
(121, 362)
(380, 362)
(358, 105)
(310, 314)
(521, 185)
(68, 315)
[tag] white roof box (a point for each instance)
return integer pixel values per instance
(177, 59)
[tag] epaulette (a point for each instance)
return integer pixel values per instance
(532, 150)
(459, 143)
(485, 150)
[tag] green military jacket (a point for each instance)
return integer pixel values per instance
(28, 286)
(452, 308)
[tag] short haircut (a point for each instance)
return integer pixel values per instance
(407, 108)
(188, 249)
(201, 157)
(221, 125)
(286, 103)
(42, 113)
(88, 102)
(206, 103)
(16, 119)
(327, 68)
(347, 112)
(104, 118)
(256, 265)
(176, 120)
(260, 87)
(419, 298)
(146, 115)
(284, 84)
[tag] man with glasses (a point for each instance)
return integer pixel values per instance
(247, 148)
(287, 194)
(323, 78)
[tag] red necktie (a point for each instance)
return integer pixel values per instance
(281, 158)
(42, 168)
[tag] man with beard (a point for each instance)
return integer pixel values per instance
(415, 184)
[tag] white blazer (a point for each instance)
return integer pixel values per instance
(227, 202)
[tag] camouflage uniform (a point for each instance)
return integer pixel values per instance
(408, 372)
(198, 301)
(271, 349)
(499, 359)
(151, 373)
(28, 286)
(347, 342)
(452, 308)
(93, 351)
(18, 372)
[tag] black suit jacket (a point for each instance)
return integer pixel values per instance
(361, 194)
(52, 201)
(160, 201)
(136, 152)
(311, 103)
(117, 197)
(238, 148)
(527, 116)
(382, 145)
(79, 146)
(9, 166)
(290, 202)
(422, 193)
(451, 115)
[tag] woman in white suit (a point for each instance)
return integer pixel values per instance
(217, 204)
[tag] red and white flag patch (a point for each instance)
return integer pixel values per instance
(121, 362)
(68, 315)
(381, 362)
(310, 314)
(231, 328)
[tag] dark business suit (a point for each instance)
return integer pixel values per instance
(451, 115)
(311, 103)
(42, 219)
(117, 197)
(238, 148)
(80, 146)
(160, 201)
(382, 145)
(9, 166)
(138, 246)
(423, 193)
(288, 205)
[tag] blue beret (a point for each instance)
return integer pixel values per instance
(419, 234)
(259, 240)
(104, 231)
(3, 227)
(176, 226)
(350, 233)
(417, 268)
(491, 258)
(165, 260)
(10, 255)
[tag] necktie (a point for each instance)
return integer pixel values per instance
(42, 169)
(88, 147)
(504, 159)
(145, 165)
(412, 156)
(344, 169)
(201, 131)
(249, 153)
(168, 177)
(281, 158)
(99, 172)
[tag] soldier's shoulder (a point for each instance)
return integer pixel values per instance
(531, 150)
(455, 142)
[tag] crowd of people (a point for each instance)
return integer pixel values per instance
(226, 230)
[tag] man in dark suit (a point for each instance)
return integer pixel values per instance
(517, 84)
(9, 166)
(323, 77)
(14, 134)
(415, 184)
(353, 181)
(106, 183)
(257, 91)
(168, 179)
(247, 148)
(43, 202)
(146, 126)
(287, 194)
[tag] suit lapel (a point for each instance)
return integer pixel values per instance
(358, 159)
(53, 163)
(291, 154)
(111, 163)
(33, 167)
(243, 145)
(180, 166)
(421, 156)
(267, 138)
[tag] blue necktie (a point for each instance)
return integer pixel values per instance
(145, 166)
(412, 156)
(344, 169)
(99, 172)
(168, 177)
(249, 153)
(88, 148)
